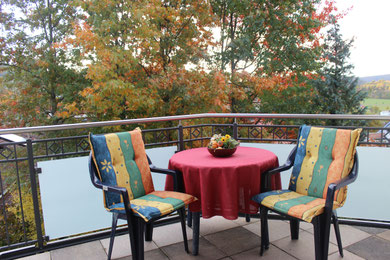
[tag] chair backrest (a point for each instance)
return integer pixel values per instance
(324, 155)
(121, 160)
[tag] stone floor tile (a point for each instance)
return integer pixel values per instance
(277, 229)
(242, 221)
(305, 225)
(122, 246)
(42, 256)
(371, 248)
(155, 254)
(303, 248)
(234, 240)
(237, 240)
(273, 253)
(347, 256)
(385, 235)
(371, 230)
(349, 235)
(92, 250)
(207, 251)
(215, 224)
(170, 234)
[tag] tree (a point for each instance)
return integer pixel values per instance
(275, 40)
(336, 87)
(40, 77)
(140, 53)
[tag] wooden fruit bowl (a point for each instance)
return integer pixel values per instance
(221, 152)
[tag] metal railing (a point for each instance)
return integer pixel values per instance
(21, 222)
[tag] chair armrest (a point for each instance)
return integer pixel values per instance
(341, 183)
(154, 168)
(176, 175)
(265, 176)
(116, 189)
(110, 188)
(279, 169)
(177, 186)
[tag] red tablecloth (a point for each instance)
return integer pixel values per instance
(224, 186)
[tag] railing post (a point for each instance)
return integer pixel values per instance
(180, 137)
(235, 129)
(34, 191)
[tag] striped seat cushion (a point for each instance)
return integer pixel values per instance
(156, 204)
(120, 159)
(293, 204)
(324, 155)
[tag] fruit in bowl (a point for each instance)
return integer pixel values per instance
(222, 145)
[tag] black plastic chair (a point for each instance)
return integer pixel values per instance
(321, 222)
(137, 224)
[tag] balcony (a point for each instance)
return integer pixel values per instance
(365, 229)
(225, 239)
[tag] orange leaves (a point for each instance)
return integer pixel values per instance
(140, 51)
(85, 37)
(325, 10)
(42, 63)
(183, 91)
(219, 77)
(144, 54)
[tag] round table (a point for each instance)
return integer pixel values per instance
(224, 186)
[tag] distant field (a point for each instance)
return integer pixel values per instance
(382, 104)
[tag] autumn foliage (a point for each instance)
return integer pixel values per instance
(119, 59)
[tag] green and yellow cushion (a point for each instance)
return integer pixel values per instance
(120, 159)
(293, 204)
(156, 203)
(324, 156)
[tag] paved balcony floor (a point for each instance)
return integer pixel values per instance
(237, 239)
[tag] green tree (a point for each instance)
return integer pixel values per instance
(139, 54)
(336, 88)
(273, 39)
(40, 75)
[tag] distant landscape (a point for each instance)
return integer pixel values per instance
(378, 93)
(381, 104)
(364, 80)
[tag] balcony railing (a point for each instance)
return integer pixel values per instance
(21, 218)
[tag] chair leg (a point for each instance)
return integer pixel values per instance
(337, 232)
(183, 228)
(264, 229)
(112, 237)
(248, 218)
(321, 235)
(131, 229)
(318, 237)
(294, 229)
(195, 232)
(189, 218)
(149, 231)
(136, 233)
(326, 223)
(138, 227)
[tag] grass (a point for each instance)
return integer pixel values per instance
(382, 104)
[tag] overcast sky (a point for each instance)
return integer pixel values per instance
(369, 22)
